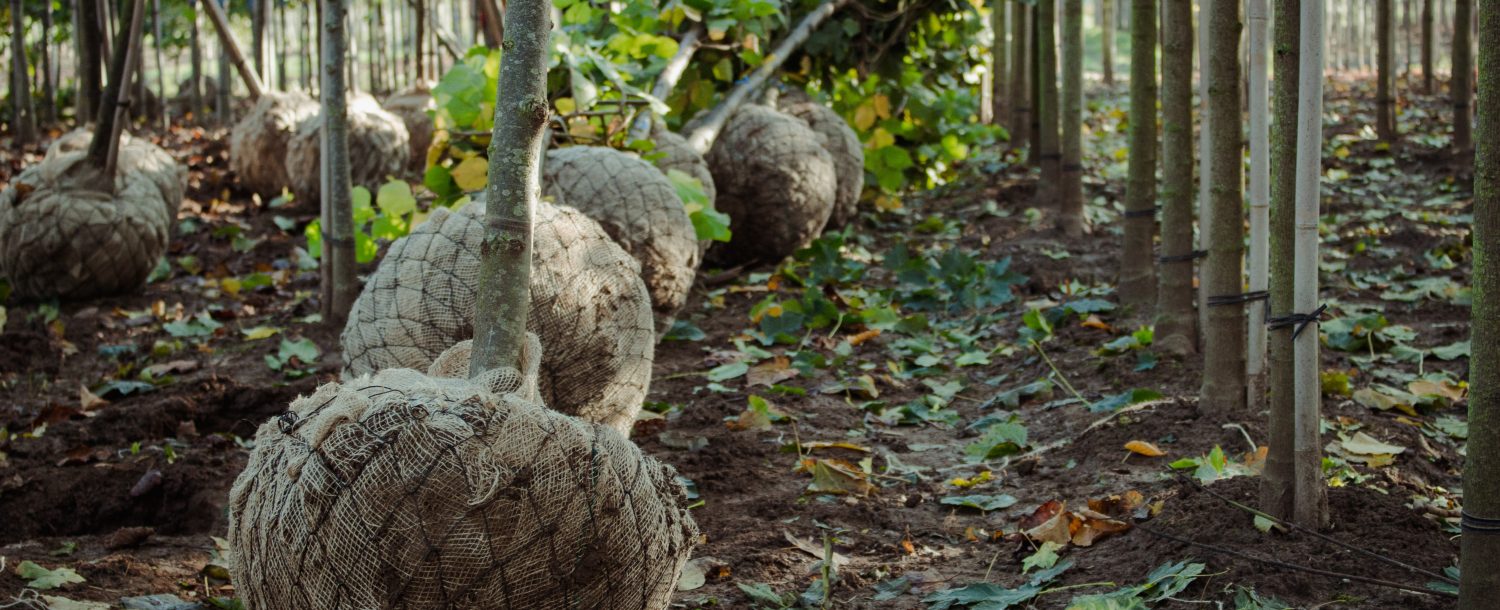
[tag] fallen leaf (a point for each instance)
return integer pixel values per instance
(1423, 387)
(1144, 448)
(1056, 529)
(39, 577)
(770, 372)
(1093, 321)
(62, 603)
(834, 476)
(88, 401)
(168, 368)
(864, 336)
(1365, 444)
(809, 446)
(983, 503)
(814, 549)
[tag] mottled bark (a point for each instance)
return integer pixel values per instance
(1223, 393)
(339, 283)
(1176, 320)
(1385, 73)
(1137, 268)
(1277, 488)
(1462, 83)
(1049, 144)
(1107, 40)
(999, 64)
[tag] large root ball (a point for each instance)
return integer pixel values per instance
(61, 238)
(377, 148)
(137, 155)
(775, 181)
(412, 105)
(588, 305)
(675, 153)
(842, 144)
(639, 208)
(258, 142)
(413, 491)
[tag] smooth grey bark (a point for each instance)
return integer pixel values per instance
(90, 93)
(278, 46)
(1223, 392)
(1277, 490)
(340, 286)
(1137, 269)
(1070, 202)
(20, 88)
(515, 157)
(1176, 321)
(258, 19)
(1462, 83)
(1480, 551)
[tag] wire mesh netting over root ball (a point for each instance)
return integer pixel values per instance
(776, 183)
(639, 208)
(413, 491)
(588, 305)
(412, 105)
(673, 152)
(62, 238)
(841, 143)
(377, 148)
(137, 155)
(258, 142)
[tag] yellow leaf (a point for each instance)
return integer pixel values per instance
(230, 286)
(886, 203)
(1342, 152)
(880, 139)
(1093, 321)
(1423, 387)
(472, 174)
(864, 336)
(963, 483)
(864, 116)
(1144, 448)
(565, 105)
(882, 106)
(259, 332)
(438, 146)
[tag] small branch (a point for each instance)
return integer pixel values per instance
(442, 35)
(104, 147)
(1060, 376)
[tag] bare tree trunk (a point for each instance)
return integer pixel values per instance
(20, 89)
(1107, 24)
(196, 58)
(1427, 50)
(278, 45)
(161, 68)
(104, 147)
(1385, 77)
(1020, 81)
(1137, 269)
(1462, 83)
(1278, 488)
(1034, 150)
(1223, 393)
(1070, 204)
(1176, 322)
(1050, 147)
(1480, 552)
(1205, 159)
(1310, 502)
(421, 9)
(1406, 40)
(258, 19)
(340, 286)
(515, 155)
(999, 68)
(49, 66)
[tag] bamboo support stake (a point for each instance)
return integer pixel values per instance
(1311, 500)
(1257, 17)
(221, 25)
(1205, 168)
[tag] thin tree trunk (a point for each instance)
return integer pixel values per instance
(308, 46)
(1462, 83)
(20, 89)
(1107, 40)
(1406, 40)
(1223, 392)
(161, 68)
(1310, 504)
(1137, 269)
(1070, 203)
(1260, 203)
(195, 89)
(1205, 159)
(1050, 147)
(340, 287)
(1176, 322)
(104, 147)
(515, 156)
(1278, 488)
(1385, 77)
(279, 46)
(1034, 152)
(421, 31)
(1480, 551)
(258, 37)
(1427, 47)
(999, 68)
(49, 65)
(1020, 81)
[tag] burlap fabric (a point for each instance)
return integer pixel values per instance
(413, 491)
(841, 143)
(137, 155)
(412, 105)
(639, 208)
(678, 155)
(377, 148)
(588, 305)
(258, 142)
(776, 183)
(59, 240)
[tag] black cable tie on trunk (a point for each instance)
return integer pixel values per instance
(1297, 321)
(1146, 213)
(1479, 525)
(1236, 299)
(1183, 258)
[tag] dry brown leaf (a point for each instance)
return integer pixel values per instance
(88, 401)
(1093, 321)
(770, 372)
(862, 337)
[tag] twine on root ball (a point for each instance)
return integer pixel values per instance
(377, 148)
(639, 208)
(776, 183)
(258, 142)
(137, 156)
(588, 305)
(404, 490)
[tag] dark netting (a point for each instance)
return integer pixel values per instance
(412, 105)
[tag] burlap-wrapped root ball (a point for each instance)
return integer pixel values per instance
(258, 142)
(677, 154)
(137, 155)
(842, 144)
(377, 148)
(588, 305)
(413, 491)
(776, 183)
(639, 208)
(60, 240)
(412, 105)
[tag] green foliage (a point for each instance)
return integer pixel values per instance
(38, 577)
(396, 215)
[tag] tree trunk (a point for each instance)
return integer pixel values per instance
(104, 147)
(1034, 129)
(90, 62)
(1385, 77)
(1223, 392)
(1050, 147)
(20, 88)
(1107, 41)
(1406, 40)
(1137, 269)
(1310, 503)
(1462, 83)
(195, 89)
(1020, 75)
(1427, 47)
(421, 32)
(230, 49)
(1257, 17)
(49, 61)
(999, 68)
(1480, 552)
(278, 46)
(1176, 322)
(1070, 203)
(340, 286)
(515, 155)
(1278, 488)
(1205, 159)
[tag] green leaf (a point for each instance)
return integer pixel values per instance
(725, 372)
(1170, 579)
(1124, 399)
(985, 596)
(1001, 439)
(39, 577)
(1044, 557)
(304, 350)
(395, 198)
(982, 502)
(683, 330)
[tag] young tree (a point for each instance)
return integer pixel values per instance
(1427, 44)
(48, 61)
(1020, 75)
(1107, 39)
(1049, 146)
(1223, 392)
(1258, 20)
(23, 121)
(1277, 490)
(1310, 494)
(1463, 74)
(1480, 552)
(1176, 323)
(339, 285)
(195, 89)
(161, 70)
(1070, 201)
(515, 157)
(1137, 269)
(1205, 159)
(999, 69)
(1385, 74)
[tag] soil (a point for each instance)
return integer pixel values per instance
(130, 492)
